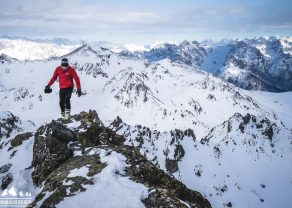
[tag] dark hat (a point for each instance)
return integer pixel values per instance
(64, 62)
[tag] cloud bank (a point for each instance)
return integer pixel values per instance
(142, 21)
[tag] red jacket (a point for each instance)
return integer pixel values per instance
(65, 78)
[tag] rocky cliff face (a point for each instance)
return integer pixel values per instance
(260, 65)
(253, 64)
(60, 148)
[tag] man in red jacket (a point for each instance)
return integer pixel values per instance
(66, 75)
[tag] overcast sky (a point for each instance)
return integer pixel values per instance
(145, 21)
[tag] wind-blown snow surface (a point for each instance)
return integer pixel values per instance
(30, 50)
(250, 170)
(114, 190)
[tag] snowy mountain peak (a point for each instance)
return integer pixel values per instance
(6, 59)
(130, 89)
(30, 50)
(89, 49)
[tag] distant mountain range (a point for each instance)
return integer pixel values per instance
(263, 63)
(252, 64)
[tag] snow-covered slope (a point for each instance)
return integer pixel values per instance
(15, 154)
(30, 50)
(216, 138)
(235, 164)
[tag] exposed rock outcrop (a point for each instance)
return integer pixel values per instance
(50, 150)
(5, 168)
(6, 180)
(20, 138)
(8, 123)
(59, 149)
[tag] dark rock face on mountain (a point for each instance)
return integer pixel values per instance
(8, 123)
(260, 71)
(258, 64)
(145, 140)
(190, 53)
(58, 150)
(6, 59)
(251, 126)
(6, 180)
(91, 69)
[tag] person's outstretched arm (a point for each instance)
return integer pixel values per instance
(53, 79)
(76, 79)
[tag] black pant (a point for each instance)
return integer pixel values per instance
(65, 96)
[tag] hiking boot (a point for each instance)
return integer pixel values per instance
(63, 115)
(67, 113)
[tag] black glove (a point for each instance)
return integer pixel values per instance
(79, 93)
(48, 89)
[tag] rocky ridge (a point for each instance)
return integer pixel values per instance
(58, 149)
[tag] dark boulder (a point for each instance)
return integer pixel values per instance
(5, 168)
(20, 138)
(62, 133)
(6, 180)
(92, 132)
(171, 165)
(50, 150)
